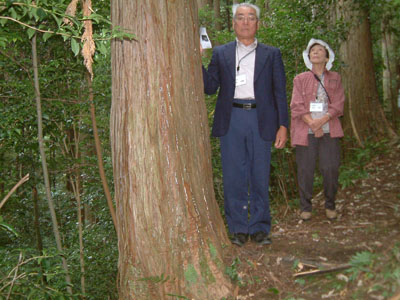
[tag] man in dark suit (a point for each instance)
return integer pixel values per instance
(251, 113)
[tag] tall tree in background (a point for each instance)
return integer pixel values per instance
(390, 43)
(364, 114)
(169, 226)
(217, 14)
(202, 3)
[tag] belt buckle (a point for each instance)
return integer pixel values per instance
(247, 106)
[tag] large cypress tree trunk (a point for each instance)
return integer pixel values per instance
(364, 115)
(170, 230)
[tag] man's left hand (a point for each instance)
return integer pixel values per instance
(281, 137)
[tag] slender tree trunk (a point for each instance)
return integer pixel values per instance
(44, 164)
(363, 112)
(80, 232)
(228, 12)
(217, 15)
(76, 187)
(267, 5)
(170, 230)
(75, 181)
(99, 153)
(36, 223)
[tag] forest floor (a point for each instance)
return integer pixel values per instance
(357, 255)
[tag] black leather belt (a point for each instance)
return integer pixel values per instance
(246, 106)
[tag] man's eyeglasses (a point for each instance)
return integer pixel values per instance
(250, 18)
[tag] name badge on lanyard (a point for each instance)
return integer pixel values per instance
(241, 80)
(316, 107)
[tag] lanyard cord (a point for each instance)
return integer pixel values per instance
(247, 54)
(319, 80)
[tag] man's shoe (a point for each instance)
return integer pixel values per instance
(239, 238)
(261, 238)
(305, 215)
(331, 214)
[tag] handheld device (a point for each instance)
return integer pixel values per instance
(204, 39)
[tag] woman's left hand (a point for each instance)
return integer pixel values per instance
(319, 133)
(317, 124)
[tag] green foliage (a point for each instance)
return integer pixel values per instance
(178, 296)
(371, 275)
(300, 281)
(50, 19)
(213, 251)
(361, 262)
(295, 264)
(232, 271)
(356, 159)
(156, 279)
(26, 276)
(67, 125)
(191, 275)
(7, 227)
(381, 274)
(274, 291)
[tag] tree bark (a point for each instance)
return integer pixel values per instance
(359, 76)
(217, 15)
(170, 231)
(203, 3)
(389, 76)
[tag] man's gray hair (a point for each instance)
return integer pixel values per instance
(253, 6)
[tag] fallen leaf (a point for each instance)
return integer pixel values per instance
(342, 277)
(322, 258)
(329, 295)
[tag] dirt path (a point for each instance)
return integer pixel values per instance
(369, 220)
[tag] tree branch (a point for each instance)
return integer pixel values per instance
(23, 180)
(313, 272)
(39, 30)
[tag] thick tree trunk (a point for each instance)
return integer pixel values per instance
(170, 230)
(202, 3)
(363, 114)
(389, 76)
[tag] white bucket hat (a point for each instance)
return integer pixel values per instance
(322, 43)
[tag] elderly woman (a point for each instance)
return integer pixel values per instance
(317, 103)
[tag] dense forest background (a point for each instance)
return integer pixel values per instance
(57, 229)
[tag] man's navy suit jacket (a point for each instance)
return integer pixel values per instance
(269, 88)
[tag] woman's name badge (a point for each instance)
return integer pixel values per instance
(316, 107)
(241, 80)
